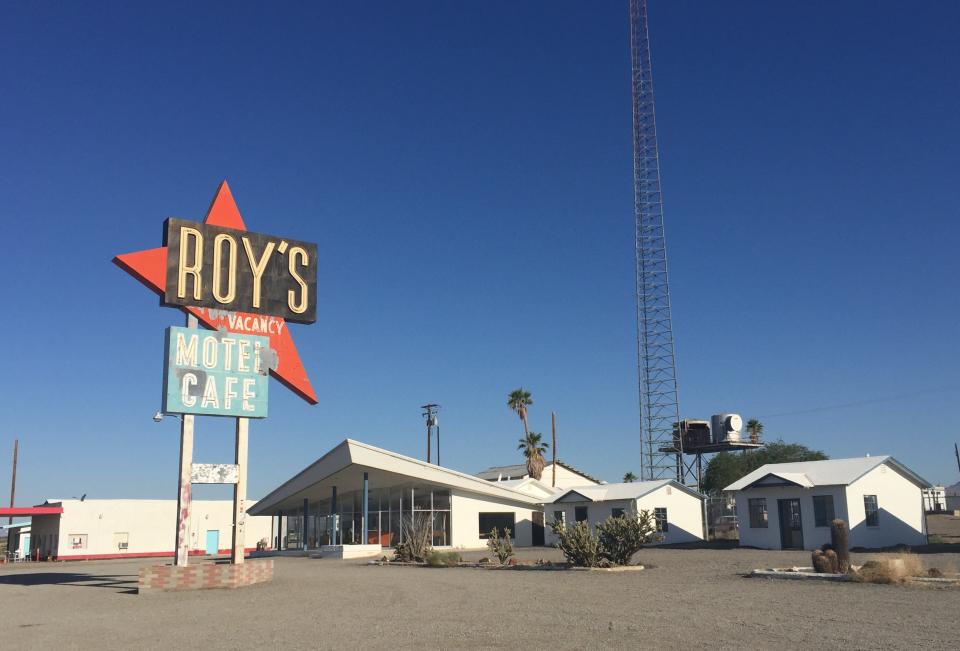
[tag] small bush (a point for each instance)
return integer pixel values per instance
(579, 546)
(501, 547)
(892, 569)
(443, 559)
(621, 538)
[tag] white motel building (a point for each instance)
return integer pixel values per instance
(321, 509)
(322, 506)
(791, 505)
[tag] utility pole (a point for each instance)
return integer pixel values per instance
(956, 451)
(431, 415)
(553, 425)
(13, 482)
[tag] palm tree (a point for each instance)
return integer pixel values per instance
(519, 400)
(629, 477)
(533, 450)
(754, 429)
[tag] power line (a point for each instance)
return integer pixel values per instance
(858, 403)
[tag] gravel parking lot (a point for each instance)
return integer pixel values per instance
(689, 598)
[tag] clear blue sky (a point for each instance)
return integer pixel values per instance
(465, 169)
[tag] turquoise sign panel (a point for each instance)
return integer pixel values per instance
(215, 373)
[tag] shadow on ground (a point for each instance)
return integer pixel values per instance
(122, 583)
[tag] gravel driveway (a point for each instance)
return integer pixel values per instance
(689, 599)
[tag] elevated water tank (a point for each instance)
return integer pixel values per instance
(725, 427)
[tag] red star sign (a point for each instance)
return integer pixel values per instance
(150, 268)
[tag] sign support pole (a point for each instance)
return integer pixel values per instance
(185, 490)
(240, 492)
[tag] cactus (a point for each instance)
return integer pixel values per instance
(832, 561)
(820, 563)
(840, 540)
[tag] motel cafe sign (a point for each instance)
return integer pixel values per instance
(215, 373)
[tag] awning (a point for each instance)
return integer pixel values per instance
(27, 511)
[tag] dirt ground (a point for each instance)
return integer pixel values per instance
(945, 527)
(690, 598)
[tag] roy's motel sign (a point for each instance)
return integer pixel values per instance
(236, 281)
(244, 287)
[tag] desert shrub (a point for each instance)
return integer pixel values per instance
(417, 533)
(500, 546)
(579, 545)
(893, 569)
(620, 538)
(443, 559)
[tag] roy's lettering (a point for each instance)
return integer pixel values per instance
(239, 271)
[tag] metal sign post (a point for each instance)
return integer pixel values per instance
(240, 492)
(185, 487)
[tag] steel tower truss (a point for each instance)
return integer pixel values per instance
(661, 456)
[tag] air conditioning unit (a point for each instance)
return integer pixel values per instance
(726, 427)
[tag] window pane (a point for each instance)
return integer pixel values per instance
(616, 512)
(660, 516)
(441, 528)
(558, 516)
(500, 521)
(580, 513)
(421, 499)
(871, 510)
(441, 500)
(822, 510)
(758, 512)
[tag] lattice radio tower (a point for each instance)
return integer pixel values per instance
(656, 357)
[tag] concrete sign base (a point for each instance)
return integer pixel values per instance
(204, 576)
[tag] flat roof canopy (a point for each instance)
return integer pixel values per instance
(344, 465)
(26, 511)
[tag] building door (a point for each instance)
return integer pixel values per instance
(791, 525)
(213, 541)
(538, 529)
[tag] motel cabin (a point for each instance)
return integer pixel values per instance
(677, 509)
(791, 505)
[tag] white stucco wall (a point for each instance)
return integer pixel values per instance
(769, 537)
(684, 513)
(899, 499)
(150, 525)
(901, 516)
(565, 478)
(465, 518)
